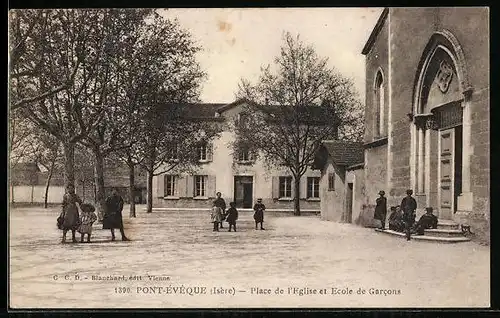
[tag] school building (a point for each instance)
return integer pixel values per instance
(240, 177)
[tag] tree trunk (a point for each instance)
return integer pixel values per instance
(150, 193)
(32, 190)
(296, 197)
(69, 164)
(131, 189)
(47, 184)
(99, 182)
(12, 192)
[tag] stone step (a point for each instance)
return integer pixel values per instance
(447, 224)
(443, 233)
(426, 238)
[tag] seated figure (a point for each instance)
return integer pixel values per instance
(396, 221)
(426, 221)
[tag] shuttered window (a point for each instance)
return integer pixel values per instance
(312, 187)
(285, 187)
(200, 186)
(170, 185)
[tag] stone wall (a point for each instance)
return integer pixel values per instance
(376, 60)
(410, 30)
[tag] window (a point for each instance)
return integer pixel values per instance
(331, 181)
(380, 104)
(243, 154)
(285, 187)
(169, 185)
(202, 152)
(312, 187)
(242, 119)
(200, 183)
(172, 153)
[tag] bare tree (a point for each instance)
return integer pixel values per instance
(71, 44)
(300, 101)
(122, 31)
(47, 155)
(27, 55)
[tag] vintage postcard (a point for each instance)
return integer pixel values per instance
(249, 158)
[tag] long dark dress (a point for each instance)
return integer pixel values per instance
(232, 216)
(220, 203)
(258, 216)
(112, 218)
(71, 217)
(381, 209)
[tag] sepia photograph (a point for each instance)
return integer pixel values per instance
(175, 158)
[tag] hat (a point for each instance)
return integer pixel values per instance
(429, 209)
(381, 192)
(259, 200)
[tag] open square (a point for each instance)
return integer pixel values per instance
(298, 255)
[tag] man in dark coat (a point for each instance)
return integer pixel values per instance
(381, 209)
(258, 215)
(426, 221)
(220, 203)
(112, 218)
(408, 205)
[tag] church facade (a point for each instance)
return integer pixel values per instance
(427, 112)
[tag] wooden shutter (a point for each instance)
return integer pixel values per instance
(160, 190)
(189, 186)
(252, 154)
(275, 187)
(210, 151)
(211, 186)
(303, 188)
(165, 184)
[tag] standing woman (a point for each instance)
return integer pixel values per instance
(381, 209)
(112, 218)
(70, 215)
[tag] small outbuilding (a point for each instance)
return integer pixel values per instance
(342, 181)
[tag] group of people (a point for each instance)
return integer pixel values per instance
(219, 214)
(402, 218)
(77, 216)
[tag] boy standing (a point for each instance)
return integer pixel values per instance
(232, 216)
(258, 216)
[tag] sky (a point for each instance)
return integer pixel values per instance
(237, 42)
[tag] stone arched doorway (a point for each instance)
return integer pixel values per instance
(440, 129)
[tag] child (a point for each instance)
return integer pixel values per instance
(216, 217)
(258, 216)
(232, 216)
(87, 218)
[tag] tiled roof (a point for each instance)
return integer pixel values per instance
(210, 110)
(197, 110)
(345, 153)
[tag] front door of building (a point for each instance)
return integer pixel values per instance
(447, 173)
(349, 194)
(243, 191)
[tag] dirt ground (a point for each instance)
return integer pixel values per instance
(175, 260)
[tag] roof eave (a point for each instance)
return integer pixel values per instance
(356, 166)
(375, 32)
